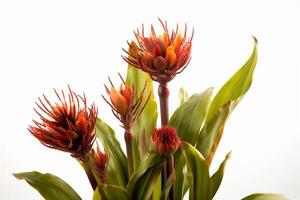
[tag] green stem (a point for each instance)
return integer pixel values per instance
(168, 167)
(129, 148)
(89, 172)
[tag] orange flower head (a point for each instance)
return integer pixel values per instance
(162, 56)
(100, 163)
(165, 140)
(67, 125)
(121, 99)
(125, 105)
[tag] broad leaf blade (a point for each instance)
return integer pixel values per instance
(223, 104)
(199, 180)
(188, 120)
(236, 86)
(143, 126)
(143, 180)
(265, 196)
(115, 192)
(97, 195)
(117, 166)
(49, 186)
(189, 117)
(217, 178)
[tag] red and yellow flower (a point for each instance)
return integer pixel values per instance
(100, 163)
(165, 140)
(126, 106)
(162, 56)
(67, 125)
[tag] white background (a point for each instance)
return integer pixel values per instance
(49, 44)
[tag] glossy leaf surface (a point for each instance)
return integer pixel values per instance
(49, 186)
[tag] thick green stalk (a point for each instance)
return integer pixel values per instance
(128, 136)
(168, 167)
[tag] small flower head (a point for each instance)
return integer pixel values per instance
(100, 163)
(162, 56)
(121, 99)
(125, 105)
(67, 125)
(165, 140)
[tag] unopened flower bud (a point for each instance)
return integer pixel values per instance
(100, 163)
(165, 140)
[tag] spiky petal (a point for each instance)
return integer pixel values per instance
(100, 163)
(162, 56)
(126, 106)
(67, 125)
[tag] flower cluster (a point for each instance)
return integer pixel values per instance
(69, 125)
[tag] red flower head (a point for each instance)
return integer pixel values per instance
(165, 140)
(125, 106)
(67, 125)
(100, 163)
(162, 56)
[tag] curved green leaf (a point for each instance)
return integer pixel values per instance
(223, 104)
(99, 193)
(198, 173)
(167, 186)
(183, 96)
(188, 120)
(143, 180)
(217, 178)
(117, 166)
(115, 192)
(236, 86)
(143, 126)
(265, 196)
(49, 186)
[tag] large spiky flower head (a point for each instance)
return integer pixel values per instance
(67, 125)
(126, 106)
(162, 56)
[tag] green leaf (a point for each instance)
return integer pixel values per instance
(117, 166)
(115, 192)
(189, 117)
(217, 178)
(183, 96)
(188, 120)
(198, 173)
(49, 186)
(144, 125)
(223, 104)
(157, 189)
(97, 195)
(265, 196)
(167, 186)
(142, 181)
(180, 175)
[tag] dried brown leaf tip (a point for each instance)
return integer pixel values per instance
(67, 125)
(127, 106)
(162, 56)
